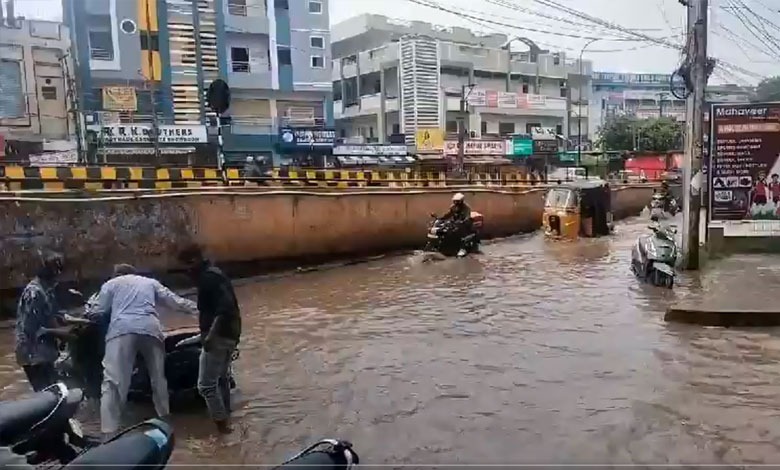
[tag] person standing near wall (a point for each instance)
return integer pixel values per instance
(220, 329)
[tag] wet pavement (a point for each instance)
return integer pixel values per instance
(533, 352)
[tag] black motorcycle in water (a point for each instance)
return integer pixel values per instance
(42, 430)
(82, 364)
(453, 238)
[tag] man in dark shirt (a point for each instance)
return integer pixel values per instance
(220, 329)
(39, 325)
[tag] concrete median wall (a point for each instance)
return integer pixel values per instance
(266, 227)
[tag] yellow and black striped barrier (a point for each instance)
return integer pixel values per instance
(17, 178)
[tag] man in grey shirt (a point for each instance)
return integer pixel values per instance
(134, 328)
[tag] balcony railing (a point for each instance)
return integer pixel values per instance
(237, 9)
(96, 53)
(241, 66)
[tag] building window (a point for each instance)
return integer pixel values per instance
(559, 129)
(284, 56)
(317, 62)
(128, 26)
(237, 7)
(506, 128)
(12, 103)
(317, 42)
(49, 92)
(556, 59)
(281, 4)
(396, 128)
(315, 7)
(239, 59)
(483, 127)
(101, 40)
(452, 127)
(532, 127)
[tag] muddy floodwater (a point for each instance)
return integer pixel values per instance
(533, 352)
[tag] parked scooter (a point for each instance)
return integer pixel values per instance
(654, 256)
(451, 238)
(43, 428)
(82, 363)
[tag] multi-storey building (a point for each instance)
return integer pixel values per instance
(152, 60)
(392, 78)
(645, 95)
(35, 79)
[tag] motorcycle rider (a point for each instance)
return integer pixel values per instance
(134, 328)
(459, 211)
(39, 324)
(667, 196)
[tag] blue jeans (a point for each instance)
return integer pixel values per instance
(213, 379)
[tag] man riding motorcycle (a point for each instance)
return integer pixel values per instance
(459, 211)
(667, 197)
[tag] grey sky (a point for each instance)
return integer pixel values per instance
(729, 39)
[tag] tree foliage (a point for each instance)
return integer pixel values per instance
(651, 135)
(768, 90)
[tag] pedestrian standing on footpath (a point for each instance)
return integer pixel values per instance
(220, 330)
(39, 324)
(134, 328)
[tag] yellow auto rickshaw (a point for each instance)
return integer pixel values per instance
(579, 208)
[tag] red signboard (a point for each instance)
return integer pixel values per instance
(745, 162)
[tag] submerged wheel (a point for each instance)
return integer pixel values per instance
(668, 281)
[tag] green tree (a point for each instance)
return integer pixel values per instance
(652, 135)
(768, 90)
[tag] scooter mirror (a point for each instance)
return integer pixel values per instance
(76, 293)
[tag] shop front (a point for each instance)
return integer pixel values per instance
(359, 156)
(480, 156)
(138, 144)
(306, 147)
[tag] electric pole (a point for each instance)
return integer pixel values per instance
(694, 136)
(661, 97)
(462, 128)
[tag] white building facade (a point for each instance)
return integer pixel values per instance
(393, 78)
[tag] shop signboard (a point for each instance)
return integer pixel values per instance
(299, 137)
(428, 140)
(545, 146)
(476, 147)
(522, 146)
(745, 165)
(370, 150)
(142, 134)
(119, 98)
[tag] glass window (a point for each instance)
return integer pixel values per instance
(239, 59)
(317, 62)
(284, 56)
(317, 42)
(560, 198)
(281, 4)
(11, 96)
(452, 126)
(483, 127)
(101, 40)
(506, 128)
(315, 7)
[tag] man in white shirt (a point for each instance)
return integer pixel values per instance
(134, 328)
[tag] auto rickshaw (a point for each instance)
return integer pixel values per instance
(579, 208)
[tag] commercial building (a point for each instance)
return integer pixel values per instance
(646, 95)
(393, 79)
(35, 76)
(145, 63)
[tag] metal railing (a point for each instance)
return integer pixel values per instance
(240, 66)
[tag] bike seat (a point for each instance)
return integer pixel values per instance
(147, 450)
(18, 417)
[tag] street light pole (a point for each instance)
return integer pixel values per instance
(579, 104)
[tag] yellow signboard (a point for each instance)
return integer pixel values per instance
(429, 139)
(119, 98)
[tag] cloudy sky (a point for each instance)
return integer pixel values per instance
(730, 39)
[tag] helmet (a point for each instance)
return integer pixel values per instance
(250, 159)
(458, 197)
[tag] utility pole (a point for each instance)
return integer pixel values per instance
(152, 86)
(72, 103)
(697, 60)
(579, 102)
(462, 129)
(661, 97)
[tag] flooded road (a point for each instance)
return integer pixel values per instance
(534, 352)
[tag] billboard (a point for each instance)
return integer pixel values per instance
(745, 162)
